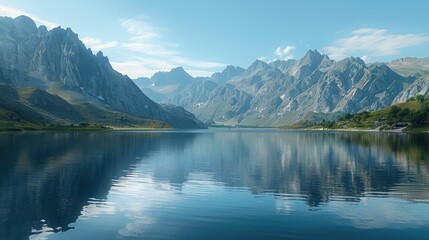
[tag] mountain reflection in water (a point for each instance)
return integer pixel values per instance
(50, 180)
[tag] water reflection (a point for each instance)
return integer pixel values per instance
(312, 164)
(47, 178)
(50, 180)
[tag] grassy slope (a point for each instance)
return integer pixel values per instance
(115, 119)
(392, 117)
(10, 121)
(386, 119)
(24, 108)
(381, 118)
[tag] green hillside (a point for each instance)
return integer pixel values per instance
(11, 121)
(23, 108)
(105, 117)
(412, 115)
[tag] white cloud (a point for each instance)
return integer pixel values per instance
(14, 12)
(284, 53)
(146, 39)
(200, 73)
(264, 58)
(97, 45)
(366, 59)
(140, 28)
(150, 53)
(151, 49)
(373, 42)
(136, 67)
(196, 63)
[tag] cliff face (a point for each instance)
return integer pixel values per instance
(282, 92)
(58, 62)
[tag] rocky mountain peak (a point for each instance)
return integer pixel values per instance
(176, 75)
(39, 57)
(257, 66)
(312, 61)
(358, 60)
(179, 70)
(230, 68)
(100, 54)
(42, 30)
(283, 65)
(228, 73)
(348, 62)
(312, 57)
(405, 60)
(379, 67)
(19, 28)
(258, 63)
(25, 22)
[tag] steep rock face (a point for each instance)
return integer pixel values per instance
(413, 68)
(58, 56)
(58, 62)
(282, 92)
(196, 93)
(213, 102)
(255, 77)
(283, 66)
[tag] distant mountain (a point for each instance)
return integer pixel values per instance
(415, 68)
(283, 92)
(177, 76)
(410, 66)
(59, 65)
(163, 84)
(227, 74)
(283, 66)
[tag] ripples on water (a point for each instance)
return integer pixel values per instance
(213, 184)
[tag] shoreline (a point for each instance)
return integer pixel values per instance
(138, 129)
(375, 130)
(111, 128)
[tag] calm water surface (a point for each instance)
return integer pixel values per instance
(214, 184)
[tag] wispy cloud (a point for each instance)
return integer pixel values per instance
(150, 53)
(373, 42)
(98, 45)
(136, 67)
(284, 53)
(14, 12)
(146, 39)
(199, 73)
(140, 28)
(150, 49)
(147, 53)
(195, 63)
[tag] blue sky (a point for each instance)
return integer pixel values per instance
(141, 37)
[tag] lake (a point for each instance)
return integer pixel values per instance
(214, 184)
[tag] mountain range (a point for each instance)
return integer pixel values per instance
(283, 92)
(50, 77)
